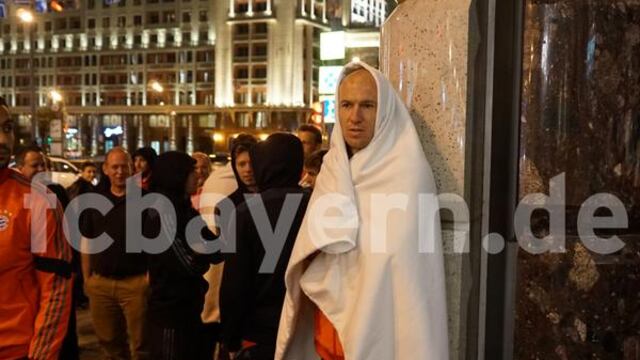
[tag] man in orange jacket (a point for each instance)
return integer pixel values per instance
(35, 271)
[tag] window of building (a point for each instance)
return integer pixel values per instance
(204, 37)
(153, 39)
(106, 22)
(61, 24)
(186, 37)
(241, 72)
(242, 29)
(137, 20)
(75, 23)
(153, 18)
(260, 72)
(169, 17)
(91, 23)
(137, 40)
(122, 21)
(7, 28)
(91, 4)
(241, 51)
(203, 17)
(186, 17)
(260, 28)
(259, 50)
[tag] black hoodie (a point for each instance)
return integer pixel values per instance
(251, 302)
(176, 282)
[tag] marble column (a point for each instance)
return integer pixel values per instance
(95, 133)
(125, 131)
(580, 119)
(141, 133)
(173, 130)
(189, 134)
(424, 54)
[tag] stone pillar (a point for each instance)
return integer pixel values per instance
(189, 134)
(424, 54)
(125, 131)
(140, 124)
(173, 129)
(95, 133)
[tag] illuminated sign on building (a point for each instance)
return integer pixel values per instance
(332, 45)
(328, 79)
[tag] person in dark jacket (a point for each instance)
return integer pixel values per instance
(251, 298)
(176, 275)
(143, 161)
(84, 184)
(242, 168)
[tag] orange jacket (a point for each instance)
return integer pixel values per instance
(35, 277)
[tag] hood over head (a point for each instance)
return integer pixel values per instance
(277, 161)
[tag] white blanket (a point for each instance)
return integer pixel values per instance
(384, 303)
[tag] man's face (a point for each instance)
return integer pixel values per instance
(357, 109)
(245, 171)
(309, 144)
(309, 178)
(89, 173)
(6, 137)
(202, 170)
(117, 168)
(33, 164)
(141, 165)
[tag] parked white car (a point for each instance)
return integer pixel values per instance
(63, 172)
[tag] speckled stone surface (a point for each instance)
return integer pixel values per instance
(424, 54)
(581, 117)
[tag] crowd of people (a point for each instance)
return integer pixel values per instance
(321, 296)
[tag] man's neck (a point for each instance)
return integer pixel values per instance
(118, 191)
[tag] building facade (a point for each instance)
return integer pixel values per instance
(171, 74)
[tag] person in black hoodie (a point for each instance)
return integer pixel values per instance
(251, 300)
(176, 275)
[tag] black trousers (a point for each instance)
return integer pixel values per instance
(177, 341)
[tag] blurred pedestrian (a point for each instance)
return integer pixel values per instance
(84, 183)
(251, 298)
(35, 273)
(311, 138)
(116, 280)
(243, 183)
(203, 170)
(312, 166)
(143, 161)
(366, 291)
(177, 285)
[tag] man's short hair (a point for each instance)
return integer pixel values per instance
(314, 161)
(87, 164)
(200, 155)
(317, 134)
(114, 150)
(22, 152)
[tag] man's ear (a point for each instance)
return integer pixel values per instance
(104, 168)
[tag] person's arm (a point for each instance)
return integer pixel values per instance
(53, 276)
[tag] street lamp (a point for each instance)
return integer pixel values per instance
(27, 18)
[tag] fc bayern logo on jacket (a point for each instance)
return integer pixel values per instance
(5, 218)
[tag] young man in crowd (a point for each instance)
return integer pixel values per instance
(84, 183)
(311, 138)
